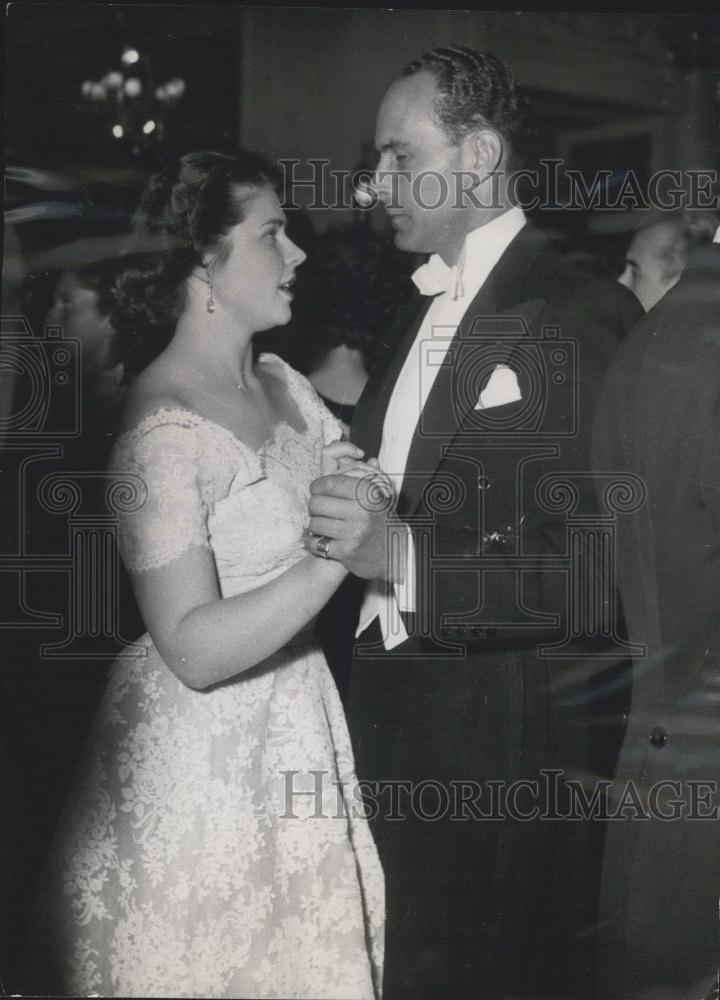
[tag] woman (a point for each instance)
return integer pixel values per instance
(81, 305)
(212, 845)
(113, 351)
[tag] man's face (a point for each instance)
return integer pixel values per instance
(647, 273)
(416, 177)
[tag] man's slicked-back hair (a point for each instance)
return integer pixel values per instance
(476, 90)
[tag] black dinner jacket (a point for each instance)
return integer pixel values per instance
(659, 420)
(473, 476)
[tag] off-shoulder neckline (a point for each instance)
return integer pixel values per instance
(197, 418)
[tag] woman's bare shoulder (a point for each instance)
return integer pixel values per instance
(158, 387)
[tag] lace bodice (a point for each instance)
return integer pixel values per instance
(198, 484)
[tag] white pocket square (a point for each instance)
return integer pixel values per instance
(502, 388)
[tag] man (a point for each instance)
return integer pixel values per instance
(659, 420)
(490, 392)
(658, 250)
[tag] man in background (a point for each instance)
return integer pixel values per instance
(658, 420)
(657, 253)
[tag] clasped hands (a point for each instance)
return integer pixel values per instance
(349, 508)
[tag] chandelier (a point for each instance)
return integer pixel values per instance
(131, 107)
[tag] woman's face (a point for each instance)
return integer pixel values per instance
(254, 281)
(75, 309)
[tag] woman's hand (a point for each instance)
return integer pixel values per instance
(337, 455)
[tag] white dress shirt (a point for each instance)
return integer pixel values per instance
(716, 237)
(481, 251)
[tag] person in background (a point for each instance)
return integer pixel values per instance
(48, 703)
(358, 292)
(88, 304)
(657, 253)
(658, 420)
(340, 374)
(80, 305)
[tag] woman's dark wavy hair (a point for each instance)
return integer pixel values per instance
(101, 276)
(185, 213)
(476, 90)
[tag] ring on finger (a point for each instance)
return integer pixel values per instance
(323, 546)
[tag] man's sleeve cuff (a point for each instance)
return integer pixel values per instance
(405, 591)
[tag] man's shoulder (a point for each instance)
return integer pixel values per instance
(558, 266)
(677, 347)
(574, 288)
(552, 273)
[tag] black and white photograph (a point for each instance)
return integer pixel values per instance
(360, 495)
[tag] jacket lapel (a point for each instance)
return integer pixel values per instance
(479, 335)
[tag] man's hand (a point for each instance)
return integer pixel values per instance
(350, 508)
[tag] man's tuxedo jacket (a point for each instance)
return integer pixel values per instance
(489, 496)
(491, 489)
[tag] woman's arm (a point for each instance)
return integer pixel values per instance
(205, 638)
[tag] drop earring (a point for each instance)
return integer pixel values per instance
(210, 305)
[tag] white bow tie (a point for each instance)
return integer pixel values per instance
(435, 277)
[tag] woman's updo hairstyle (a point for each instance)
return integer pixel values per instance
(185, 213)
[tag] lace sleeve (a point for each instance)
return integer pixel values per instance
(332, 428)
(169, 516)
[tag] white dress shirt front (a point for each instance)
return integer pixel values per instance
(482, 250)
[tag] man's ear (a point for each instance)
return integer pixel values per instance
(484, 151)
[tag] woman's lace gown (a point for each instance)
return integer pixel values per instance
(213, 844)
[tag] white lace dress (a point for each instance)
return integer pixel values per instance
(188, 861)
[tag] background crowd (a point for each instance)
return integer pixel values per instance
(66, 250)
